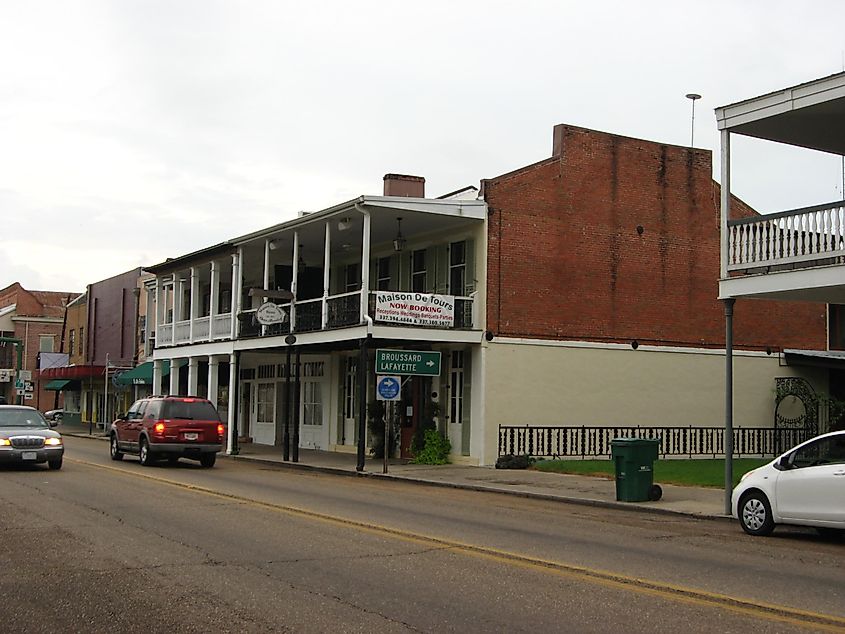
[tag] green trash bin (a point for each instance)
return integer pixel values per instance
(633, 460)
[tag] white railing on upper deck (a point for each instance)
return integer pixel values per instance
(164, 335)
(810, 236)
(182, 332)
(221, 326)
(201, 328)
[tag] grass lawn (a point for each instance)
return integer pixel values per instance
(702, 473)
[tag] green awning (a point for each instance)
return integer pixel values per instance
(57, 385)
(142, 374)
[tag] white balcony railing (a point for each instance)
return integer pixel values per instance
(182, 332)
(812, 236)
(202, 326)
(164, 335)
(221, 326)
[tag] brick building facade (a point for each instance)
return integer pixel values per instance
(623, 237)
(35, 318)
(602, 295)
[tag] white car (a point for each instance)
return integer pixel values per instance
(804, 486)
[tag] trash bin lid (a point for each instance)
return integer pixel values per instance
(627, 442)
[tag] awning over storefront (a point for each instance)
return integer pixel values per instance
(142, 374)
(57, 385)
(833, 359)
(73, 372)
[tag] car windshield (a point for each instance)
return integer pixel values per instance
(189, 410)
(22, 418)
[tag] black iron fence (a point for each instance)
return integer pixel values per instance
(594, 442)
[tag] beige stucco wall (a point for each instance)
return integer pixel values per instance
(547, 384)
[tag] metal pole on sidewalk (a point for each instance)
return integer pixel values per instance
(362, 403)
(388, 409)
(729, 402)
(296, 414)
(286, 433)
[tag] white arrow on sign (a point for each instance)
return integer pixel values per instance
(429, 363)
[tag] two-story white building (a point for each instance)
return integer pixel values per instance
(321, 293)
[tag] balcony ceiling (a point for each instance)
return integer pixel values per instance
(420, 217)
(810, 115)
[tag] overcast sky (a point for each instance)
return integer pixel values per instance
(134, 131)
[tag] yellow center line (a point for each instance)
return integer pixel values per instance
(681, 594)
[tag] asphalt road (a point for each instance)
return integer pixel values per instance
(112, 546)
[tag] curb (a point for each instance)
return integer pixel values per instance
(625, 506)
(298, 466)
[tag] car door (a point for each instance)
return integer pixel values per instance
(132, 424)
(812, 490)
(124, 426)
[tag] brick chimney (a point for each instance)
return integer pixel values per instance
(404, 185)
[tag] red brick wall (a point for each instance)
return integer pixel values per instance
(566, 259)
(29, 307)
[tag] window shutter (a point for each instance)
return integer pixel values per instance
(467, 400)
(336, 280)
(395, 263)
(406, 264)
(471, 277)
(441, 271)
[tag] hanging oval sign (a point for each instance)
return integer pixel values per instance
(269, 313)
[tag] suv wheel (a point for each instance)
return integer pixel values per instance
(144, 453)
(755, 514)
(207, 460)
(55, 464)
(114, 450)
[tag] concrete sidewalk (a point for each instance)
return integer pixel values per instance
(594, 491)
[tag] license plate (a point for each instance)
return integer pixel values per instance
(29, 455)
(191, 435)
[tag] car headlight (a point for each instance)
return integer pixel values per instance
(5, 442)
(52, 442)
(748, 473)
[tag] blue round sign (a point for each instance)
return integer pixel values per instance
(388, 387)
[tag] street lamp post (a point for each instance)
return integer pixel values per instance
(692, 97)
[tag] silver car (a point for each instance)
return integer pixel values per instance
(26, 437)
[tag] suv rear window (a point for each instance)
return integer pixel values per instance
(189, 410)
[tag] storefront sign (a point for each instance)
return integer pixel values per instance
(407, 362)
(415, 309)
(269, 313)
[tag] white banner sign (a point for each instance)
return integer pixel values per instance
(415, 309)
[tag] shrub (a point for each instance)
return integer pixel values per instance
(435, 449)
(514, 462)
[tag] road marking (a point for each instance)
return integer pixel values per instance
(681, 594)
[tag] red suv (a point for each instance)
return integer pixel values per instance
(168, 427)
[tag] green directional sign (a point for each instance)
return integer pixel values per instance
(413, 362)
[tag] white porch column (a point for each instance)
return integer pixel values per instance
(192, 309)
(157, 372)
(233, 396)
(213, 379)
(326, 277)
(174, 377)
(193, 376)
(726, 202)
(294, 279)
(214, 298)
(151, 322)
(159, 306)
(237, 290)
(178, 293)
(365, 267)
(266, 276)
